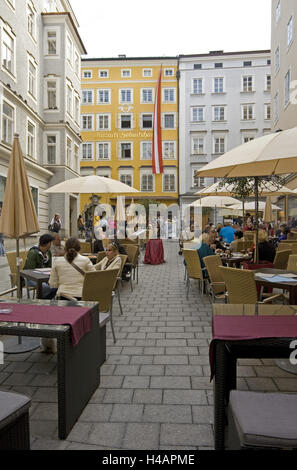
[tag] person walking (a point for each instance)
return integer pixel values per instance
(56, 224)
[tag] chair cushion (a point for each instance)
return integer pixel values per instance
(12, 405)
(265, 419)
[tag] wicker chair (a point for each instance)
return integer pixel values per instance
(85, 247)
(119, 281)
(292, 263)
(100, 256)
(281, 259)
(249, 236)
(193, 268)
(98, 286)
(288, 245)
(11, 258)
(133, 256)
(217, 284)
(241, 286)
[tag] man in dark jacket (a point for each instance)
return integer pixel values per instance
(40, 256)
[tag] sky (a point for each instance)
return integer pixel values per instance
(152, 28)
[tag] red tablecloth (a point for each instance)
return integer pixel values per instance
(154, 252)
(79, 318)
(232, 327)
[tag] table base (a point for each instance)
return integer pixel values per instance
(20, 344)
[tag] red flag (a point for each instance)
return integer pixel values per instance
(157, 141)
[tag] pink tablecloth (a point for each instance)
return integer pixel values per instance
(154, 252)
(79, 318)
(232, 327)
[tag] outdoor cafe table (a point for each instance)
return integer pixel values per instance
(37, 275)
(245, 331)
(235, 258)
(154, 251)
(78, 365)
(291, 287)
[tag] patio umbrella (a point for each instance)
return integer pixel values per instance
(268, 189)
(215, 202)
(18, 220)
(268, 217)
(251, 206)
(272, 154)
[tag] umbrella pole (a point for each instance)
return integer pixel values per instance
(19, 292)
(256, 258)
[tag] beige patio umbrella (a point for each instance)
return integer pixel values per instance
(268, 216)
(272, 154)
(18, 220)
(267, 189)
(216, 202)
(251, 206)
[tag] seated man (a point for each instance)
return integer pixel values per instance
(227, 232)
(57, 249)
(40, 256)
(238, 236)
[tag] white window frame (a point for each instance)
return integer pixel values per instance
(277, 60)
(76, 63)
(120, 115)
(246, 86)
(106, 146)
(103, 171)
(85, 74)
(12, 121)
(218, 109)
(120, 150)
(290, 31)
(267, 111)
(248, 105)
(145, 93)
(69, 50)
(169, 172)
(247, 137)
(149, 72)
(145, 172)
(32, 78)
(8, 31)
(46, 89)
(124, 172)
(171, 92)
(198, 86)
(47, 145)
(103, 73)
(31, 140)
(87, 115)
(104, 91)
(172, 152)
(287, 88)
(197, 143)
(163, 120)
(144, 150)
(123, 95)
(219, 88)
(276, 107)
(126, 73)
(103, 116)
(278, 11)
(89, 146)
(48, 30)
(222, 145)
(68, 151)
(87, 91)
(141, 120)
(201, 183)
(31, 23)
(268, 82)
(76, 107)
(196, 111)
(169, 72)
(69, 98)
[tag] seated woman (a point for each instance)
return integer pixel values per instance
(66, 275)
(266, 249)
(238, 235)
(112, 259)
(204, 250)
(284, 230)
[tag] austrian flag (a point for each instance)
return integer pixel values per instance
(157, 141)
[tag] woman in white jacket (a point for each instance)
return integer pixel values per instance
(65, 276)
(112, 259)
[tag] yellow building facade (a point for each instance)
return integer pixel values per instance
(117, 107)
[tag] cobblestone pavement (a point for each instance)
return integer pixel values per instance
(155, 391)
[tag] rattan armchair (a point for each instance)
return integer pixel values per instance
(288, 245)
(281, 259)
(193, 269)
(133, 256)
(100, 256)
(249, 235)
(11, 258)
(217, 284)
(292, 263)
(241, 286)
(85, 247)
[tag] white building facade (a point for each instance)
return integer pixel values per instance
(40, 58)
(224, 101)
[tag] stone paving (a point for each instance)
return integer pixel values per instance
(155, 391)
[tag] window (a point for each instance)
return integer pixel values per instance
(198, 182)
(247, 63)
(103, 150)
(146, 150)
(278, 11)
(103, 96)
(103, 73)
(87, 74)
(76, 63)
(267, 111)
(69, 50)
(11, 3)
(69, 100)
(277, 60)
(197, 88)
(68, 152)
(197, 66)
(125, 151)
(87, 122)
(276, 108)
(147, 95)
(126, 95)
(290, 31)
(198, 114)
(125, 121)
(31, 19)
(168, 72)
(169, 178)
(247, 84)
(105, 172)
(287, 87)
(8, 118)
(218, 85)
(169, 150)
(76, 107)
(51, 42)
(87, 96)
(218, 65)
(146, 121)
(168, 95)
(146, 180)
(219, 145)
(103, 122)
(51, 87)
(198, 145)
(169, 121)
(268, 83)
(30, 139)
(126, 177)
(87, 151)
(8, 52)
(76, 158)
(51, 149)
(32, 78)
(147, 72)
(126, 73)
(219, 113)
(247, 112)
(247, 139)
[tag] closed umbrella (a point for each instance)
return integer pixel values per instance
(268, 217)
(272, 154)
(18, 220)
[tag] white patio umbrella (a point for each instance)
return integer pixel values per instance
(252, 206)
(216, 202)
